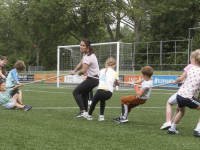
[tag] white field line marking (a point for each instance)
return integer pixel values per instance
(50, 86)
(71, 93)
(46, 92)
(96, 107)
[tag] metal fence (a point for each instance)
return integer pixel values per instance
(35, 68)
(162, 55)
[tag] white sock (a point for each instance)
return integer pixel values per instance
(198, 127)
(126, 110)
(123, 117)
(173, 126)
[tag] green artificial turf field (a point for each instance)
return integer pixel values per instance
(50, 124)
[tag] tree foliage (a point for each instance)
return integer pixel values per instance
(31, 30)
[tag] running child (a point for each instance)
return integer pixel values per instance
(131, 101)
(107, 78)
(14, 102)
(185, 96)
(172, 100)
(13, 78)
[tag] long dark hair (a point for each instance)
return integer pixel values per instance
(87, 43)
(3, 68)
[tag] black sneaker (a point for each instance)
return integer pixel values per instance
(117, 120)
(27, 108)
(196, 133)
(80, 114)
(171, 131)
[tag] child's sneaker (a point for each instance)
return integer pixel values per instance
(27, 108)
(89, 117)
(196, 133)
(117, 120)
(166, 125)
(172, 131)
(101, 118)
(124, 120)
(85, 114)
(80, 114)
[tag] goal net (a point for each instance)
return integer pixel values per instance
(68, 58)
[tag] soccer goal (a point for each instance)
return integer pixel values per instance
(68, 58)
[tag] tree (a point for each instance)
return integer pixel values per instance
(137, 14)
(171, 19)
(14, 40)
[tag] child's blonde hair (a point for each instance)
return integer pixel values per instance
(109, 62)
(192, 54)
(197, 57)
(197, 50)
(20, 65)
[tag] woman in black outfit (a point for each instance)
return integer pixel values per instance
(90, 67)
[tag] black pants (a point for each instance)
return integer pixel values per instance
(81, 91)
(102, 96)
(90, 96)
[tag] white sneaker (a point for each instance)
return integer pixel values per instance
(166, 125)
(85, 114)
(89, 102)
(101, 118)
(89, 117)
(123, 119)
(172, 131)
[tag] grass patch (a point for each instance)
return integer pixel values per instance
(51, 124)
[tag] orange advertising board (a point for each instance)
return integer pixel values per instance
(131, 78)
(44, 76)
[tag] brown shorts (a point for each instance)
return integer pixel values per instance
(132, 101)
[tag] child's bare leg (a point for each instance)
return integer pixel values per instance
(177, 118)
(197, 130)
(18, 105)
(15, 97)
(168, 123)
(19, 100)
(168, 111)
(179, 115)
(177, 110)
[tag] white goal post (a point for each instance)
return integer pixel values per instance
(69, 56)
